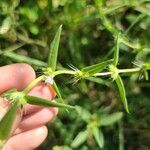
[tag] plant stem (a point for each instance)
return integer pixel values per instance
(129, 70)
(37, 80)
(64, 72)
(132, 70)
(33, 83)
(121, 136)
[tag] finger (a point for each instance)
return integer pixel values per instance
(15, 76)
(27, 140)
(37, 115)
(37, 119)
(40, 90)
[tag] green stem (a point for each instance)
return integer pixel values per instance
(37, 80)
(64, 72)
(132, 70)
(121, 136)
(33, 83)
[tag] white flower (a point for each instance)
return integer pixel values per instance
(49, 80)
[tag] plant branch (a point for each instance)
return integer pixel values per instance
(33, 83)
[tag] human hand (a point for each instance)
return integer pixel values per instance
(29, 127)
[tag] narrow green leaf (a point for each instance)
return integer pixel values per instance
(99, 137)
(24, 38)
(79, 139)
(110, 119)
(52, 59)
(57, 90)
(12, 48)
(99, 81)
(122, 92)
(116, 51)
(22, 58)
(6, 25)
(60, 99)
(90, 70)
(7, 121)
(85, 114)
(45, 102)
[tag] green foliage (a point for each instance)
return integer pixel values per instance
(7, 121)
(91, 70)
(110, 119)
(122, 92)
(89, 30)
(79, 139)
(99, 137)
(44, 102)
(52, 60)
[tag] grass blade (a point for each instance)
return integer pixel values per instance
(116, 51)
(12, 48)
(90, 70)
(110, 119)
(79, 139)
(22, 58)
(45, 102)
(52, 59)
(122, 92)
(99, 137)
(7, 121)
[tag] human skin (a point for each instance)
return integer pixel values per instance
(29, 129)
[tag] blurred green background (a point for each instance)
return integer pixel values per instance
(89, 26)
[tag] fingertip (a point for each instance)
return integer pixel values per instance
(24, 141)
(16, 76)
(27, 74)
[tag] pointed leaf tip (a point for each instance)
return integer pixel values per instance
(116, 51)
(52, 59)
(122, 92)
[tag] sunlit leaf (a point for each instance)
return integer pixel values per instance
(122, 92)
(147, 65)
(79, 139)
(45, 102)
(99, 137)
(22, 58)
(90, 70)
(7, 121)
(116, 51)
(110, 119)
(6, 25)
(52, 59)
